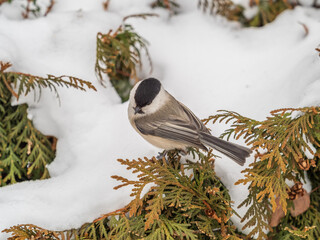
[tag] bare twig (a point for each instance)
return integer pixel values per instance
(26, 13)
(49, 8)
(9, 87)
(142, 15)
(106, 4)
(305, 28)
(120, 211)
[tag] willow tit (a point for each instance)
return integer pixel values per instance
(166, 123)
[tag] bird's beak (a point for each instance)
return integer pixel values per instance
(137, 109)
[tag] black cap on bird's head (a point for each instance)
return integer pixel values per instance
(146, 92)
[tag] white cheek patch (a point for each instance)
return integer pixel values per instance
(160, 100)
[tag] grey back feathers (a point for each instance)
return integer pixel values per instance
(147, 91)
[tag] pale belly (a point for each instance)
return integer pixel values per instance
(165, 144)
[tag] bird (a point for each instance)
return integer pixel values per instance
(168, 124)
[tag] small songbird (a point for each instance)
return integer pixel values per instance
(168, 124)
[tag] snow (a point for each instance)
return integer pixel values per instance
(206, 62)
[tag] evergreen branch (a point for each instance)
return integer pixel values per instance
(4, 66)
(30, 231)
(3, 78)
(301, 234)
(11, 161)
(26, 82)
(257, 215)
(170, 5)
(118, 55)
(225, 8)
(284, 141)
(24, 151)
(141, 15)
(173, 189)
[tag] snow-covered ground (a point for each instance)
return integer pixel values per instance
(204, 61)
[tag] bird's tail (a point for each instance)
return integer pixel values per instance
(234, 151)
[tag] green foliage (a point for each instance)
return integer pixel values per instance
(32, 7)
(26, 83)
(257, 214)
(29, 231)
(183, 201)
(118, 56)
(170, 5)
(306, 225)
(194, 205)
(24, 151)
(225, 8)
(281, 143)
(268, 11)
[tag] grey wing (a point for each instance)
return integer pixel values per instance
(177, 127)
(195, 120)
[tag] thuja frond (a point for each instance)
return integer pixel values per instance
(306, 225)
(257, 215)
(24, 151)
(32, 7)
(281, 143)
(198, 201)
(29, 231)
(25, 83)
(268, 11)
(170, 5)
(225, 8)
(119, 55)
(10, 166)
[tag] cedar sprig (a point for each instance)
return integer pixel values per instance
(24, 151)
(306, 225)
(32, 6)
(257, 215)
(170, 5)
(30, 231)
(225, 8)
(22, 83)
(268, 11)
(26, 83)
(202, 203)
(119, 54)
(281, 143)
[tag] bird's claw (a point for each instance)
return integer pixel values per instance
(161, 155)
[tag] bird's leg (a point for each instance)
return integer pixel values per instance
(161, 154)
(183, 152)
